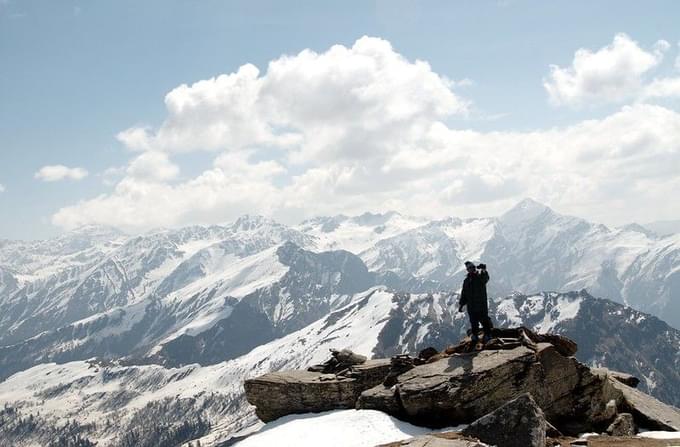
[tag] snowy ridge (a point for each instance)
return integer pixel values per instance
(358, 233)
(93, 392)
(374, 323)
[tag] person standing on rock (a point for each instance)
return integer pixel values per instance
(473, 295)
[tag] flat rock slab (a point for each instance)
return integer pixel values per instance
(450, 439)
(298, 391)
(649, 412)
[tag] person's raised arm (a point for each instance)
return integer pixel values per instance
(485, 276)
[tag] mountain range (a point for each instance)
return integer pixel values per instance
(170, 322)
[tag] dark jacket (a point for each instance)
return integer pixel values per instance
(474, 293)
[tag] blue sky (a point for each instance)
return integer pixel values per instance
(75, 74)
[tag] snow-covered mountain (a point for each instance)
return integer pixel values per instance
(255, 295)
(224, 312)
(209, 293)
(532, 248)
(110, 402)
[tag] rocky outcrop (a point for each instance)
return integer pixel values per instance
(463, 384)
(463, 387)
(280, 393)
(647, 411)
(518, 423)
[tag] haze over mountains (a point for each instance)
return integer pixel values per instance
(255, 295)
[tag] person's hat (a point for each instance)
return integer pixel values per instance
(468, 264)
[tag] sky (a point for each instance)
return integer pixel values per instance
(167, 113)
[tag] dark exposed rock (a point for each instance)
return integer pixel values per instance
(551, 430)
(623, 425)
(647, 411)
(399, 364)
(625, 378)
(454, 388)
(426, 353)
(464, 387)
(280, 393)
(340, 361)
(518, 423)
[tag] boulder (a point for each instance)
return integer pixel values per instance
(464, 387)
(518, 423)
(623, 425)
(648, 412)
(622, 377)
(280, 393)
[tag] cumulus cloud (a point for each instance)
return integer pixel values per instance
(233, 186)
(362, 128)
(611, 74)
(662, 88)
(152, 166)
(54, 173)
(310, 104)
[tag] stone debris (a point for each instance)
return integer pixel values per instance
(623, 425)
(340, 362)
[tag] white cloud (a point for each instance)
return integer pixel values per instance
(152, 166)
(311, 105)
(232, 187)
(612, 74)
(55, 173)
(2, 188)
(662, 88)
(361, 128)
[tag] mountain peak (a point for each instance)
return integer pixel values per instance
(252, 222)
(526, 210)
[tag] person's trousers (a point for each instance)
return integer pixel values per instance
(477, 318)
